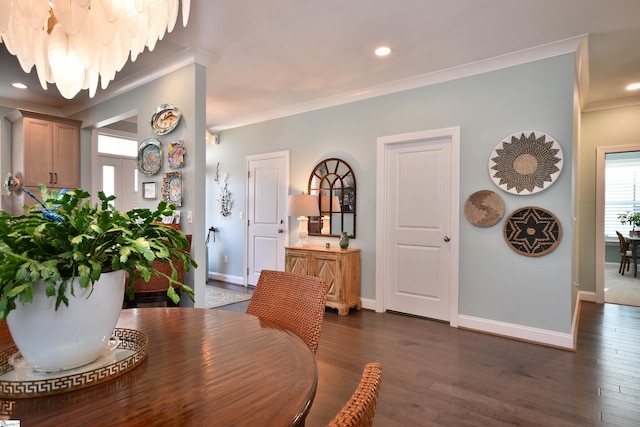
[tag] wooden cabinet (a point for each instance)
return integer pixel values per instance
(45, 150)
(340, 269)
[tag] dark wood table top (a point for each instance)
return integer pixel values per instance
(204, 367)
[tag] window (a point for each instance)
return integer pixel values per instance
(622, 191)
(117, 145)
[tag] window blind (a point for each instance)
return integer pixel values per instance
(622, 194)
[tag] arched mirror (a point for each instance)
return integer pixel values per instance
(333, 181)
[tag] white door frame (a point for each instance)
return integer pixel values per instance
(248, 159)
(383, 146)
(601, 153)
(96, 171)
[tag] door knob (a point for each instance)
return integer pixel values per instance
(280, 230)
(447, 238)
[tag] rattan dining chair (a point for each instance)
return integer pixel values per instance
(361, 408)
(625, 253)
(294, 301)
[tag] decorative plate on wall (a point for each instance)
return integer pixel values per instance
(149, 156)
(532, 231)
(484, 208)
(175, 154)
(525, 163)
(165, 119)
(172, 188)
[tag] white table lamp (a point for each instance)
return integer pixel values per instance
(303, 206)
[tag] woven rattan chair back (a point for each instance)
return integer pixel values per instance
(294, 301)
(361, 408)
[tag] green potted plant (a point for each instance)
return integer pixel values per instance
(56, 256)
(631, 218)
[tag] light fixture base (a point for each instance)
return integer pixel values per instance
(303, 231)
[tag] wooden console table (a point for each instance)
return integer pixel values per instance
(340, 269)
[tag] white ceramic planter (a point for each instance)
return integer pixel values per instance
(73, 335)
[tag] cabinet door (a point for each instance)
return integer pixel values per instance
(297, 262)
(66, 156)
(327, 267)
(37, 152)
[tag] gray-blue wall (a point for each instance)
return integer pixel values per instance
(185, 89)
(495, 282)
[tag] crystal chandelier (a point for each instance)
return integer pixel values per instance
(75, 43)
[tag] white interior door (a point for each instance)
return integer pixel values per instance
(416, 220)
(267, 224)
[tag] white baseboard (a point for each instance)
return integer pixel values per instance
(368, 303)
(236, 280)
(587, 296)
(576, 321)
(509, 330)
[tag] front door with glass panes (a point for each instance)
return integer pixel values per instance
(117, 162)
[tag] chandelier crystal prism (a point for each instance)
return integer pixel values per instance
(76, 43)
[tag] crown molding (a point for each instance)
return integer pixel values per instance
(614, 103)
(173, 63)
(492, 64)
(34, 108)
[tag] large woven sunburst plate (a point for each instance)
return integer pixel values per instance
(525, 163)
(484, 208)
(532, 231)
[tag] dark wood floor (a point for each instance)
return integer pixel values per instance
(435, 375)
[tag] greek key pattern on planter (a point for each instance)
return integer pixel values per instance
(130, 339)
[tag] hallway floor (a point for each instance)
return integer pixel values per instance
(435, 375)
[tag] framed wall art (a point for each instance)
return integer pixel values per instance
(149, 190)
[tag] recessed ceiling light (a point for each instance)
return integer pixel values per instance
(633, 86)
(19, 85)
(383, 51)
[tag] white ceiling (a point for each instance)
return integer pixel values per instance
(269, 57)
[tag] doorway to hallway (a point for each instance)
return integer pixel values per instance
(612, 287)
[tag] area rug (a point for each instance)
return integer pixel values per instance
(217, 297)
(619, 289)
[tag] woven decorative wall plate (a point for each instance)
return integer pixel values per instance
(484, 208)
(525, 163)
(532, 231)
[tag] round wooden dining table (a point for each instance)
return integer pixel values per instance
(204, 367)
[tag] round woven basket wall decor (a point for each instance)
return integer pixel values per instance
(532, 231)
(484, 208)
(525, 163)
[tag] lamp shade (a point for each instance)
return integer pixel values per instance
(303, 205)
